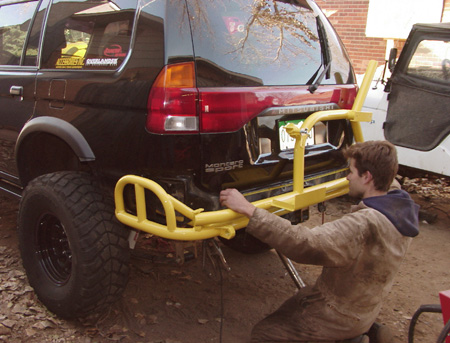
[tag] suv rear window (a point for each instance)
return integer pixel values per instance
(265, 43)
(88, 34)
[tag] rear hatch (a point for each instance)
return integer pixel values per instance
(257, 66)
(260, 65)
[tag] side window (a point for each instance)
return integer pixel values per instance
(431, 60)
(31, 51)
(88, 34)
(14, 22)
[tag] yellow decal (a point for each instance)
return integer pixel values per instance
(70, 62)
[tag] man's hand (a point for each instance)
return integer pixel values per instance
(235, 201)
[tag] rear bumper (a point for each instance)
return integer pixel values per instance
(224, 223)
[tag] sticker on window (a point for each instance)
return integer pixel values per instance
(233, 24)
(70, 62)
(102, 62)
(114, 50)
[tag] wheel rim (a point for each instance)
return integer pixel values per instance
(53, 249)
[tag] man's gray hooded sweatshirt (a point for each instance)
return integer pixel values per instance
(360, 254)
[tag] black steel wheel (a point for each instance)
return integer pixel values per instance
(53, 250)
(74, 251)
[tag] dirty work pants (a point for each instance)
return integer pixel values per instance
(305, 318)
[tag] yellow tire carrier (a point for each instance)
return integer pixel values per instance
(205, 225)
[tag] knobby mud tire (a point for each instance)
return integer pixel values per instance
(73, 249)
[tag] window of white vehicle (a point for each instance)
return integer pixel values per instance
(431, 60)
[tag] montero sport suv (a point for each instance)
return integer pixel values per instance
(193, 94)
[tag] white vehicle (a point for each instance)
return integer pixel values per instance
(412, 110)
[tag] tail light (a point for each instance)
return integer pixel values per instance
(172, 104)
(176, 105)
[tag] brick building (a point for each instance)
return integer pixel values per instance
(349, 17)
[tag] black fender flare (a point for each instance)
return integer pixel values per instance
(59, 128)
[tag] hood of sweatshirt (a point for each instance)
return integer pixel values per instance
(399, 208)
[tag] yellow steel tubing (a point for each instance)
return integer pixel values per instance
(301, 134)
(184, 234)
(167, 200)
(361, 97)
(333, 189)
(141, 210)
(354, 116)
(299, 156)
(365, 86)
(216, 218)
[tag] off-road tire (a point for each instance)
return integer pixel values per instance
(74, 251)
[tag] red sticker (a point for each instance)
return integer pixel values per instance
(114, 50)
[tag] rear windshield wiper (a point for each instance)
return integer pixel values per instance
(312, 88)
(326, 59)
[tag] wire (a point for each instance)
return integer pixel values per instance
(207, 247)
(221, 300)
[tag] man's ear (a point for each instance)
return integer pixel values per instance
(367, 176)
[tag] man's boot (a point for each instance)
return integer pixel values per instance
(380, 333)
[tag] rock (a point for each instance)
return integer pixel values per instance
(4, 330)
(44, 324)
(8, 323)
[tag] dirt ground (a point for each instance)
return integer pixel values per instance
(167, 303)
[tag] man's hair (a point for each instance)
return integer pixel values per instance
(377, 157)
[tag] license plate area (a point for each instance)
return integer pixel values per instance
(287, 142)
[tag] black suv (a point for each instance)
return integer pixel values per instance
(193, 94)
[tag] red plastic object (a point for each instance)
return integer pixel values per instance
(444, 298)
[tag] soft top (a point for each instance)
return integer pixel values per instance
(432, 27)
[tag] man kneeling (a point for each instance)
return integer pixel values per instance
(360, 252)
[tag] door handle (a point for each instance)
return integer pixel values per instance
(16, 90)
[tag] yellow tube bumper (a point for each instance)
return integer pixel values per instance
(204, 225)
